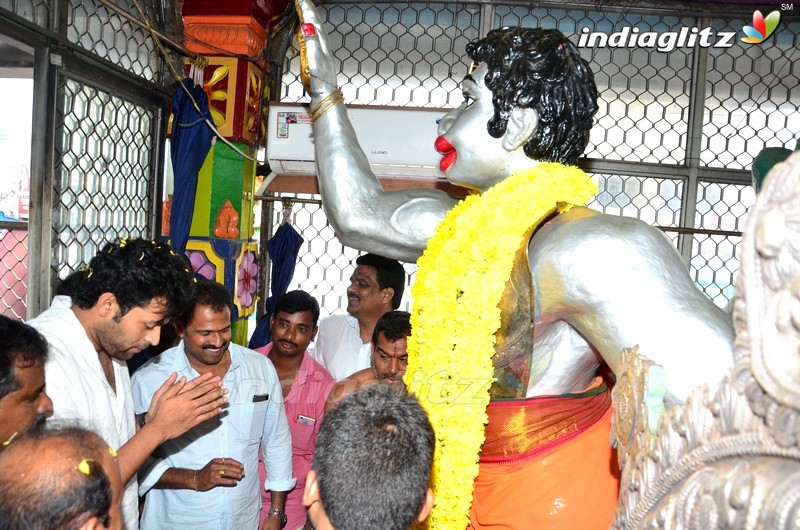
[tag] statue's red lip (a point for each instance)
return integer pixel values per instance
(446, 148)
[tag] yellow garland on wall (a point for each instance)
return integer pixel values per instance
(460, 280)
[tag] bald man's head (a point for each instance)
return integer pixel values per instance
(59, 479)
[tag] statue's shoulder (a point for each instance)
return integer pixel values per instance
(582, 229)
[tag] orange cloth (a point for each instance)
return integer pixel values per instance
(522, 428)
(570, 483)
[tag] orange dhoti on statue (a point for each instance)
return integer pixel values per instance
(547, 463)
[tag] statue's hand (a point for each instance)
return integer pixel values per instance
(318, 67)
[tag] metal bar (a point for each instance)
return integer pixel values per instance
(293, 199)
(159, 131)
(487, 14)
(637, 169)
(13, 225)
(694, 143)
(265, 264)
(685, 230)
(40, 221)
(671, 171)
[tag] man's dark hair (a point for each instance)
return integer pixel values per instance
(53, 495)
(22, 346)
(394, 325)
(539, 69)
(135, 271)
(207, 293)
(373, 460)
(389, 274)
(297, 301)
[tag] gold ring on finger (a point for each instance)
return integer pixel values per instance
(223, 460)
(221, 471)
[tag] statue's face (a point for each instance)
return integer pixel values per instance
(472, 158)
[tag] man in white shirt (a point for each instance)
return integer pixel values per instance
(106, 313)
(208, 478)
(343, 342)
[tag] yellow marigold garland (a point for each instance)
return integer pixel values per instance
(460, 281)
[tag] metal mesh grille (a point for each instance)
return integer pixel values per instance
(714, 265)
(97, 29)
(647, 99)
(752, 99)
(36, 11)
(13, 272)
(655, 201)
(102, 181)
(723, 206)
(394, 54)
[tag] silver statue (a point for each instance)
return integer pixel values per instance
(602, 283)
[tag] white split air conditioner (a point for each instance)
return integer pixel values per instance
(398, 141)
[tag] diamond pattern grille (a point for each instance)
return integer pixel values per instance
(13, 273)
(102, 181)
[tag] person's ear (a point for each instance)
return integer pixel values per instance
(314, 333)
(91, 524)
(180, 331)
(520, 127)
(426, 508)
(107, 305)
(311, 490)
(313, 503)
(388, 295)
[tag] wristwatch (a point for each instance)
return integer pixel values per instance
(279, 513)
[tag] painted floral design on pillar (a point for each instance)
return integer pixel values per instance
(201, 265)
(217, 90)
(247, 283)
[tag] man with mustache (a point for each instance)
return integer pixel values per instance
(376, 287)
(387, 362)
(209, 476)
(24, 404)
(306, 385)
(104, 314)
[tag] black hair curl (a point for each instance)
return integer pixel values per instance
(539, 69)
(135, 271)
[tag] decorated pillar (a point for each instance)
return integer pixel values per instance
(221, 244)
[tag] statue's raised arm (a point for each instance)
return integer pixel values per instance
(395, 224)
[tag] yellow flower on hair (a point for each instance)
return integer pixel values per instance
(461, 277)
(84, 467)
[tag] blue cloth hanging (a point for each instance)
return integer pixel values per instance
(189, 146)
(283, 249)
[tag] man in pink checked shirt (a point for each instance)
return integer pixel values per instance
(306, 386)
